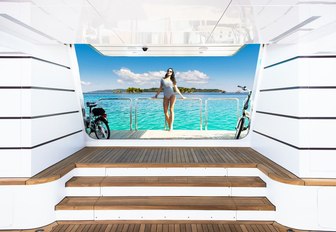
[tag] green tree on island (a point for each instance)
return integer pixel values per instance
(186, 90)
(134, 90)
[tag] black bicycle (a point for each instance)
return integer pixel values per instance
(244, 121)
(97, 122)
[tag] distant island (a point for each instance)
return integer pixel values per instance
(138, 90)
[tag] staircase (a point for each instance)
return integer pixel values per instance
(155, 194)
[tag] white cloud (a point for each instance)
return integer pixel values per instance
(86, 83)
(152, 78)
(195, 77)
(129, 77)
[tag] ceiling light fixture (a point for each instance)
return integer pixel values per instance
(294, 29)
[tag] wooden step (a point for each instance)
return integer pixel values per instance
(152, 181)
(166, 203)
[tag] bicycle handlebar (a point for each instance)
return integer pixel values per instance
(242, 87)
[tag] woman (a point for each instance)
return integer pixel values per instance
(168, 83)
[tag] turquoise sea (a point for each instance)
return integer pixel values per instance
(222, 114)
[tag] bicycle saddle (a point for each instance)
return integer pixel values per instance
(91, 104)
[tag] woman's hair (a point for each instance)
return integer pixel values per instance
(172, 77)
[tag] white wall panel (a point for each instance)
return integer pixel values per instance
(317, 102)
(28, 162)
(11, 71)
(11, 102)
(57, 53)
(314, 102)
(321, 71)
(163, 215)
(296, 206)
(300, 133)
(280, 52)
(11, 133)
(282, 154)
(280, 76)
(245, 142)
(165, 191)
(49, 154)
(166, 171)
(29, 102)
(6, 201)
(326, 200)
(33, 205)
(49, 128)
(15, 163)
(321, 133)
(281, 102)
(285, 129)
(298, 102)
(318, 164)
(300, 72)
(50, 75)
(41, 102)
(33, 72)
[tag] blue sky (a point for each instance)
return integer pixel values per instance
(102, 72)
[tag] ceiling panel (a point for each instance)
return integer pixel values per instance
(160, 24)
(171, 50)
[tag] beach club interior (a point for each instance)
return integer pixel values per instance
(281, 176)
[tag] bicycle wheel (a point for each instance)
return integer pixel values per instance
(239, 128)
(101, 129)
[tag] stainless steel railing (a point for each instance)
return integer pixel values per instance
(218, 99)
(120, 99)
(153, 99)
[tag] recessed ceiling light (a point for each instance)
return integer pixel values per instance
(293, 29)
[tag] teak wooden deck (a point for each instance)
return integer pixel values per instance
(166, 157)
(185, 181)
(164, 226)
(165, 203)
(196, 226)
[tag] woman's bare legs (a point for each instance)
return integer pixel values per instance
(172, 101)
(165, 110)
(169, 102)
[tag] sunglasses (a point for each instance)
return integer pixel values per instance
(170, 71)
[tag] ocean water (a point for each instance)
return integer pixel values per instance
(147, 114)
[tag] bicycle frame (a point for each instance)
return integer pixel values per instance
(90, 119)
(245, 114)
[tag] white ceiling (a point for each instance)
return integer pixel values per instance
(167, 27)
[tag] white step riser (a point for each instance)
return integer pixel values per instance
(167, 172)
(164, 215)
(165, 191)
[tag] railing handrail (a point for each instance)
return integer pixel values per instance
(154, 98)
(115, 98)
(219, 99)
(183, 99)
(120, 98)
